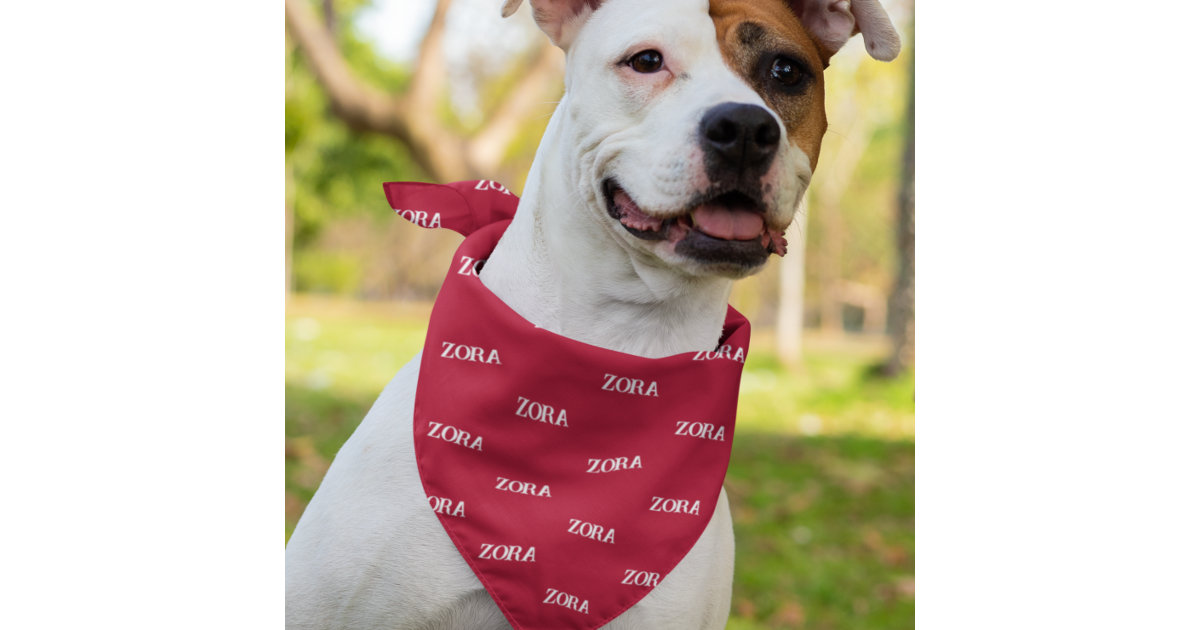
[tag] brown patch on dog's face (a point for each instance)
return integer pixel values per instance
(764, 42)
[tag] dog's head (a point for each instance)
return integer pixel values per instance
(694, 126)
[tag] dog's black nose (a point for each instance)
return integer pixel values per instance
(739, 135)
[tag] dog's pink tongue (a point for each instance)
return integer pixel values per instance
(731, 224)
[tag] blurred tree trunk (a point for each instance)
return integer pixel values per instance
(834, 179)
(289, 231)
(902, 303)
(330, 19)
(829, 263)
(789, 324)
(413, 118)
(828, 187)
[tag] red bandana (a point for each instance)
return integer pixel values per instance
(571, 478)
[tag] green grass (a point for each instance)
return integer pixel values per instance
(824, 530)
(821, 479)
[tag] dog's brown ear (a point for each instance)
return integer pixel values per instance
(832, 22)
(559, 19)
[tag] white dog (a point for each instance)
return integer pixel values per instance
(677, 157)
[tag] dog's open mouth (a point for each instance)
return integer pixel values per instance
(726, 228)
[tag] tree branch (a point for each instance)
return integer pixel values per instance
(365, 108)
(487, 146)
(430, 71)
(330, 18)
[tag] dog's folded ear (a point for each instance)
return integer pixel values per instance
(559, 19)
(510, 7)
(833, 22)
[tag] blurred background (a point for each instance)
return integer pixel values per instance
(821, 480)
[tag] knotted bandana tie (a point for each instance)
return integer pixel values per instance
(572, 479)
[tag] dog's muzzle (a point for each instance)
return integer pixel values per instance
(718, 227)
(726, 224)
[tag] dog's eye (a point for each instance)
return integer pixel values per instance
(646, 62)
(786, 71)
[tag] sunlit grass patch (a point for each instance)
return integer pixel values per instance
(347, 347)
(834, 392)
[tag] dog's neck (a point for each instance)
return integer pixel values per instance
(562, 268)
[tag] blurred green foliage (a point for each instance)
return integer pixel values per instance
(333, 172)
(328, 272)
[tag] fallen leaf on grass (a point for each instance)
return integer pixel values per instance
(906, 587)
(311, 466)
(857, 477)
(799, 501)
(789, 615)
(891, 555)
(293, 507)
